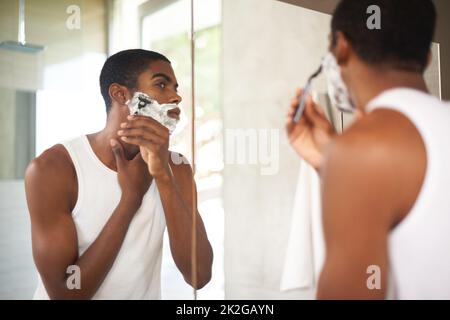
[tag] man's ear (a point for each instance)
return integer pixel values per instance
(342, 48)
(119, 93)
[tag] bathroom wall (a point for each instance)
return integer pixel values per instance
(269, 49)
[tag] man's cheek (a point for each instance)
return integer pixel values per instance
(154, 94)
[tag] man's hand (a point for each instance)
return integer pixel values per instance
(176, 186)
(311, 134)
(134, 179)
(152, 139)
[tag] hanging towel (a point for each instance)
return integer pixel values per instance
(305, 250)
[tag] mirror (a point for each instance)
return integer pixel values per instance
(249, 58)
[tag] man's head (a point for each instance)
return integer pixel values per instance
(376, 44)
(403, 42)
(138, 70)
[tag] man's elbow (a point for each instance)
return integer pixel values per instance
(66, 294)
(205, 275)
(204, 279)
(329, 287)
(61, 291)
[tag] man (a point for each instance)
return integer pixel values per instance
(386, 209)
(99, 204)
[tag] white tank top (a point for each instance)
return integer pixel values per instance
(136, 272)
(419, 247)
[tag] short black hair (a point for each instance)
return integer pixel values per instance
(404, 40)
(124, 68)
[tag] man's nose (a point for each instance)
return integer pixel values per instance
(176, 99)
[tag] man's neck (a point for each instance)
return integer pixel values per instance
(100, 141)
(374, 82)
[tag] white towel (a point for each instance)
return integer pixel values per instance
(305, 249)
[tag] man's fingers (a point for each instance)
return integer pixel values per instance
(118, 152)
(316, 115)
(299, 126)
(293, 107)
(148, 122)
(140, 142)
(294, 103)
(144, 133)
(319, 110)
(312, 112)
(290, 124)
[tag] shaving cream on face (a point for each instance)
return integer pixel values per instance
(142, 104)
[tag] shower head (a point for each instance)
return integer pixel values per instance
(21, 45)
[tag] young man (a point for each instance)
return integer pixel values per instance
(385, 200)
(99, 204)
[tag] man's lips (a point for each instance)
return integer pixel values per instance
(174, 113)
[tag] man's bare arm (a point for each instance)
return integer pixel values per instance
(355, 224)
(174, 180)
(362, 200)
(176, 196)
(371, 180)
(54, 237)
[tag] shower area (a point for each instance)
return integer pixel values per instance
(49, 68)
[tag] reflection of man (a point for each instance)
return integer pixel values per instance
(102, 203)
(386, 208)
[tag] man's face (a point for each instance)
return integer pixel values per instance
(160, 83)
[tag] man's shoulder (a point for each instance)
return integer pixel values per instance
(382, 151)
(381, 134)
(52, 163)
